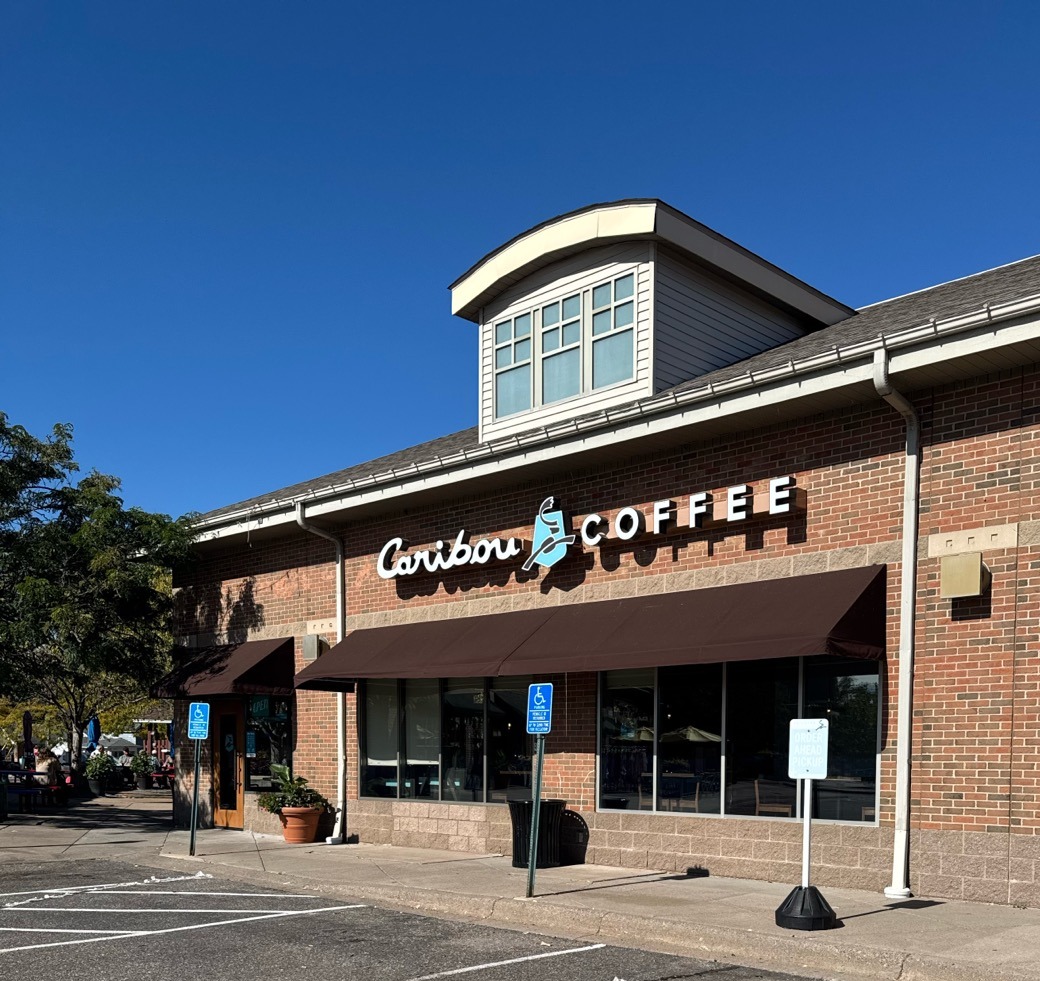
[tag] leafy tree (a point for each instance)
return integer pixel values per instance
(85, 587)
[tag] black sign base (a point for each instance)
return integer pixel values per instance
(805, 909)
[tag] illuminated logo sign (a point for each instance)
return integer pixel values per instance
(551, 541)
(553, 537)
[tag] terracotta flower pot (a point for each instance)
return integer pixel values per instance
(299, 824)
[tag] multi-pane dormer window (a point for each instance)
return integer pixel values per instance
(513, 365)
(583, 341)
(613, 317)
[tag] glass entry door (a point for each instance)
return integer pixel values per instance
(229, 766)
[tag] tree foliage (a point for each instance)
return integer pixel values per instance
(85, 586)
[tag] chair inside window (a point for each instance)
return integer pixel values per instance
(773, 797)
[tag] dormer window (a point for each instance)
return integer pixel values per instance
(584, 342)
(561, 349)
(613, 316)
(513, 365)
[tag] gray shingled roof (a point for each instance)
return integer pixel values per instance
(995, 286)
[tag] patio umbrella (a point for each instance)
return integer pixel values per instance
(93, 732)
(690, 734)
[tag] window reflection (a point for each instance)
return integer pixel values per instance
(462, 722)
(627, 740)
(690, 746)
(846, 693)
(268, 738)
(510, 748)
(761, 700)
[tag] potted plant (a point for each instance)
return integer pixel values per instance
(141, 766)
(298, 805)
(100, 769)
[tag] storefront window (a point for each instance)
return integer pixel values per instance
(509, 746)
(382, 728)
(690, 748)
(627, 740)
(462, 722)
(464, 739)
(761, 700)
(685, 754)
(268, 738)
(846, 693)
(422, 735)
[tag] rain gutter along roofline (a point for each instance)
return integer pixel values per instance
(839, 360)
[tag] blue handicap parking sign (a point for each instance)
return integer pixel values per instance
(198, 720)
(539, 709)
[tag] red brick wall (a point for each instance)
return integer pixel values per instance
(977, 690)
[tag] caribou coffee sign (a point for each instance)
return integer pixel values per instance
(553, 536)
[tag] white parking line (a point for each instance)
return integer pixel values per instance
(60, 930)
(512, 960)
(107, 885)
(162, 909)
(197, 926)
(199, 892)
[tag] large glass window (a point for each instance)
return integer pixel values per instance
(422, 737)
(713, 739)
(463, 739)
(846, 693)
(690, 747)
(382, 738)
(268, 738)
(510, 748)
(584, 341)
(626, 777)
(761, 701)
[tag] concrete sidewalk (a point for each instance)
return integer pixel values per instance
(724, 919)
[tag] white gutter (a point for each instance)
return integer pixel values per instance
(492, 455)
(339, 833)
(900, 887)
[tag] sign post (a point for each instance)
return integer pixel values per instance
(805, 908)
(198, 730)
(539, 722)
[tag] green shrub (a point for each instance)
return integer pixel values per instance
(141, 764)
(99, 767)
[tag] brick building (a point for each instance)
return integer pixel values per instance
(702, 499)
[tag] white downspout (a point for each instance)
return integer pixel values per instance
(339, 834)
(900, 887)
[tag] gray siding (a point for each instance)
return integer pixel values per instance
(703, 323)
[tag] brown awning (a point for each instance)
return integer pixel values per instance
(255, 667)
(465, 647)
(840, 613)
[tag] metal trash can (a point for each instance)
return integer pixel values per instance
(520, 813)
(574, 838)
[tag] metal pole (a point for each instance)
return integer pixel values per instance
(195, 797)
(536, 802)
(806, 833)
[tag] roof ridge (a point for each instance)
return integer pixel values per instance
(948, 282)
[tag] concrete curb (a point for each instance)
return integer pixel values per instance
(802, 953)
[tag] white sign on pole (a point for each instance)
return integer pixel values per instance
(807, 755)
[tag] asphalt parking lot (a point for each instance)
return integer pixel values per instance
(114, 921)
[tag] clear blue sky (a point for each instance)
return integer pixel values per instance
(227, 229)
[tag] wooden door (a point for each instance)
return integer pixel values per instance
(228, 747)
